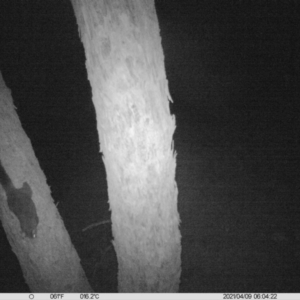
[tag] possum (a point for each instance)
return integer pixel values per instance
(20, 203)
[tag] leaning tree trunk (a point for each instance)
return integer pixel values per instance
(125, 65)
(30, 219)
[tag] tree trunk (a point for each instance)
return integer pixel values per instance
(125, 65)
(30, 219)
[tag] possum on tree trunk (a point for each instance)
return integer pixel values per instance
(20, 203)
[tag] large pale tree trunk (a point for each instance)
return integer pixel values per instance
(125, 65)
(30, 219)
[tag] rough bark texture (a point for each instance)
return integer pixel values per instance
(125, 65)
(49, 261)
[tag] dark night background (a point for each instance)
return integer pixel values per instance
(233, 71)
